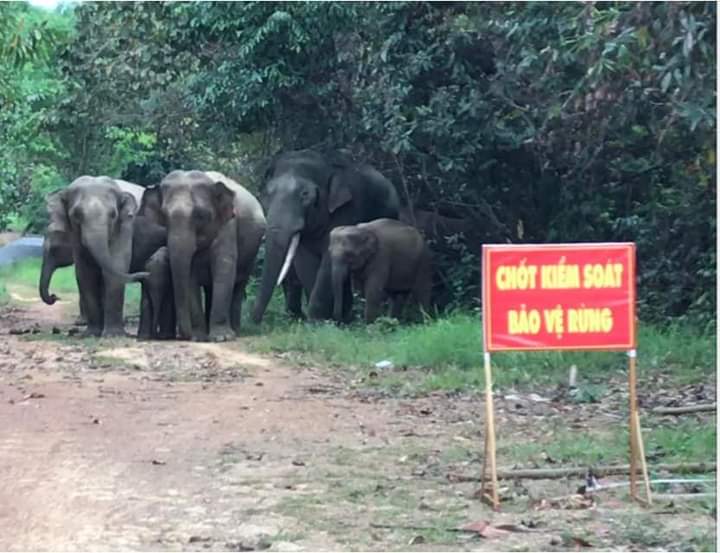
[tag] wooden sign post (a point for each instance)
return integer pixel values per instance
(560, 297)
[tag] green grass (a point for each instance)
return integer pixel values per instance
(25, 274)
(685, 443)
(442, 354)
(447, 354)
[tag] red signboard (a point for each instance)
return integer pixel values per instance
(559, 296)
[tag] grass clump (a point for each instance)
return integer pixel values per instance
(688, 441)
(447, 354)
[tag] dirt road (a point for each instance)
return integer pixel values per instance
(125, 445)
(169, 445)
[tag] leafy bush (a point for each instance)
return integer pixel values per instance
(540, 121)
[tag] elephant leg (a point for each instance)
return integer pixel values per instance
(114, 285)
(347, 302)
(223, 264)
(113, 303)
(207, 303)
(198, 317)
(90, 286)
(157, 285)
(81, 318)
(306, 265)
(321, 298)
(375, 296)
(374, 300)
(145, 330)
(167, 319)
(397, 302)
(293, 291)
(236, 309)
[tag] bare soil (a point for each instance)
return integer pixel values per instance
(126, 445)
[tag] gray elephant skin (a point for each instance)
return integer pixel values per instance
(306, 195)
(147, 238)
(98, 217)
(384, 258)
(214, 228)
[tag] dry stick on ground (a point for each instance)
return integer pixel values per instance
(681, 496)
(685, 409)
(448, 528)
(540, 474)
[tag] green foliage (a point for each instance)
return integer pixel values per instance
(30, 83)
(24, 276)
(540, 121)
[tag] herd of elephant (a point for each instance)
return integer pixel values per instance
(328, 222)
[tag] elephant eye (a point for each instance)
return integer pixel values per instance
(308, 197)
(113, 214)
(76, 215)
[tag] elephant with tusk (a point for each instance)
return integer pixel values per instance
(306, 195)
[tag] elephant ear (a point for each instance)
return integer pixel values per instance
(224, 199)
(151, 204)
(56, 204)
(338, 193)
(127, 206)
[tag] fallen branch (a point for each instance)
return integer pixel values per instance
(541, 474)
(685, 409)
(611, 485)
(681, 496)
(505, 527)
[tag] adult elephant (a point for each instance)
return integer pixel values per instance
(307, 194)
(210, 218)
(57, 244)
(97, 216)
(147, 238)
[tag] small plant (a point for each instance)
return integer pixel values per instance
(587, 393)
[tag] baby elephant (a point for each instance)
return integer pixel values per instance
(384, 258)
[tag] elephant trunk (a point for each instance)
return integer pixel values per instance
(182, 245)
(48, 268)
(277, 248)
(95, 239)
(339, 277)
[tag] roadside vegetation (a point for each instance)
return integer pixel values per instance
(442, 353)
(540, 122)
(22, 277)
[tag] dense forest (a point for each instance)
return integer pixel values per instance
(542, 122)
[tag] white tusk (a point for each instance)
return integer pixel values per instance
(294, 241)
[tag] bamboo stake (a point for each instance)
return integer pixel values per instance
(641, 451)
(490, 436)
(633, 428)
